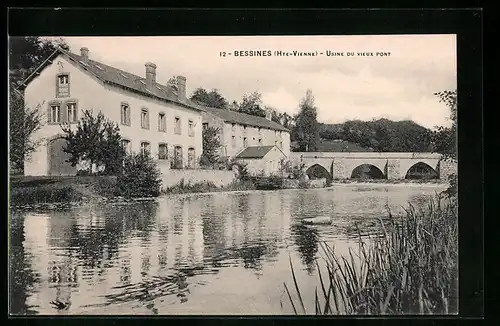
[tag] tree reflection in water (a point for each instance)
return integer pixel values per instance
(21, 276)
(306, 240)
(92, 243)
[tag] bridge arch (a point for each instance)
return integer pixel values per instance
(318, 171)
(421, 170)
(367, 171)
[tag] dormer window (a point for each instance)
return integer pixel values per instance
(62, 85)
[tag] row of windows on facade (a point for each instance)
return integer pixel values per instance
(259, 141)
(163, 151)
(162, 121)
(62, 90)
(233, 125)
(70, 114)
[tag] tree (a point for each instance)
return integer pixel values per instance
(445, 138)
(96, 140)
(211, 146)
(211, 99)
(25, 55)
(28, 52)
(23, 123)
(140, 177)
(252, 104)
(307, 132)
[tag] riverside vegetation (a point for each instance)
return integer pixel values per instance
(410, 268)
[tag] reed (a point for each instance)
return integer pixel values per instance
(410, 267)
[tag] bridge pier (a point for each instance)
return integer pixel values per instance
(447, 168)
(393, 170)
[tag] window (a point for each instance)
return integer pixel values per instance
(281, 145)
(162, 151)
(260, 129)
(177, 130)
(191, 158)
(162, 122)
(275, 143)
(126, 145)
(62, 86)
(71, 112)
(233, 126)
(233, 141)
(190, 128)
(260, 141)
(177, 162)
(205, 126)
(144, 119)
(245, 142)
(125, 114)
(55, 113)
(145, 147)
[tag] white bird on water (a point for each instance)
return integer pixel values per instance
(323, 220)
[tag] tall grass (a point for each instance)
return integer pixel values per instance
(202, 187)
(411, 267)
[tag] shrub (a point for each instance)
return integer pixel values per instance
(140, 177)
(48, 193)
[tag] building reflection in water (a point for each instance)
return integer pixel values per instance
(84, 253)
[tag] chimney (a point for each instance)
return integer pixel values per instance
(181, 88)
(150, 73)
(269, 114)
(84, 52)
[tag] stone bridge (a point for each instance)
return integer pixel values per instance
(344, 165)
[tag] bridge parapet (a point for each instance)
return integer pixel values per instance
(341, 165)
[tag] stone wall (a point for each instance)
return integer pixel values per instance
(172, 177)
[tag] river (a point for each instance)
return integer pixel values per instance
(220, 253)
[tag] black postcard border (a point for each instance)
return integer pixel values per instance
(466, 23)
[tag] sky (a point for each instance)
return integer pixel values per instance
(398, 86)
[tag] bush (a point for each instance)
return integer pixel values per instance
(45, 193)
(243, 174)
(140, 177)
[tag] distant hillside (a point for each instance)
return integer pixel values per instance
(381, 135)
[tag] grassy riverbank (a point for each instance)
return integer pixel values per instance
(201, 187)
(411, 268)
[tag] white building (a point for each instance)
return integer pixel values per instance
(238, 131)
(150, 115)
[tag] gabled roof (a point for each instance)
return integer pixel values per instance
(116, 77)
(255, 152)
(244, 119)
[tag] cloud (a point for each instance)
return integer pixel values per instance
(399, 86)
(281, 100)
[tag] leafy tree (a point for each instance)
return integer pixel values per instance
(445, 138)
(23, 123)
(307, 132)
(212, 99)
(211, 146)
(252, 104)
(28, 52)
(140, 177)
(25, 55)
(96, 140)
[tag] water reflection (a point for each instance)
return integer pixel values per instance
(157, 254)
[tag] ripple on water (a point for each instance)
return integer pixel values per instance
(177, 253)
